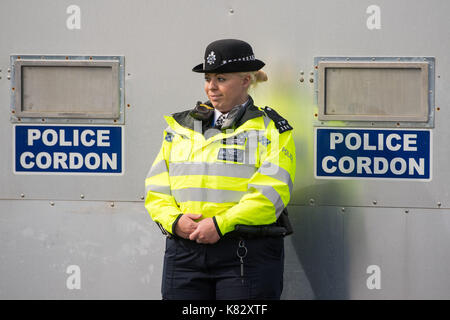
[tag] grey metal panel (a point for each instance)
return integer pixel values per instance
(38, 102)
(118, 248)
(373, 91)
(428, 254)
(358, 84)
(375, 237)
(67, 89)
(296, 281)
(336, 246)
(318, 243)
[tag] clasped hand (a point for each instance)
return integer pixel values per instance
(203, 231)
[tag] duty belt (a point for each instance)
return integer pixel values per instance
(281, 228)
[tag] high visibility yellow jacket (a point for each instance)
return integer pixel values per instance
(243, 175)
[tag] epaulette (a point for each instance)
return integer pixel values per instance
(281, 123)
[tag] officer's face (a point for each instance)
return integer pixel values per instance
(226, 90)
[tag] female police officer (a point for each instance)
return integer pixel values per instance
(219, 186)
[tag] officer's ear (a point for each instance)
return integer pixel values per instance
(246, 80)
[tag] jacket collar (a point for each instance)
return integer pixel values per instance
(185, 120)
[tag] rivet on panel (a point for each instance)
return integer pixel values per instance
(22, 195)
(111, 204)
(142, 197)
(342, 209)
(406, 211)
(231, 11)
(52, 203)
(301, 79)
(312, 202)
(439, 204)
(81, 196)
(374, 202)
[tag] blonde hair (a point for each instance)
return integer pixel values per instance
(255, 77)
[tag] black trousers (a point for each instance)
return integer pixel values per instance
(195, 271)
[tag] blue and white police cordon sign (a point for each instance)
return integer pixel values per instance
(373, 153)
(68, 149)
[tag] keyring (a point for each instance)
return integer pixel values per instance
(244, 249)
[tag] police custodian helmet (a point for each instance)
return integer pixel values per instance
(229, 55)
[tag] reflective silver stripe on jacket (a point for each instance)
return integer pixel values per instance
(211, 169)
(158, 188)
(266, 121)
(270, 193)
(207, 195)
(157, 168)
(274, 171)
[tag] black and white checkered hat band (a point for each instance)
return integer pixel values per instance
(248, 58)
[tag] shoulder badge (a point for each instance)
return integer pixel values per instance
(168, 137)
(280, 122)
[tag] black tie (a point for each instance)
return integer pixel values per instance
(219, 121)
